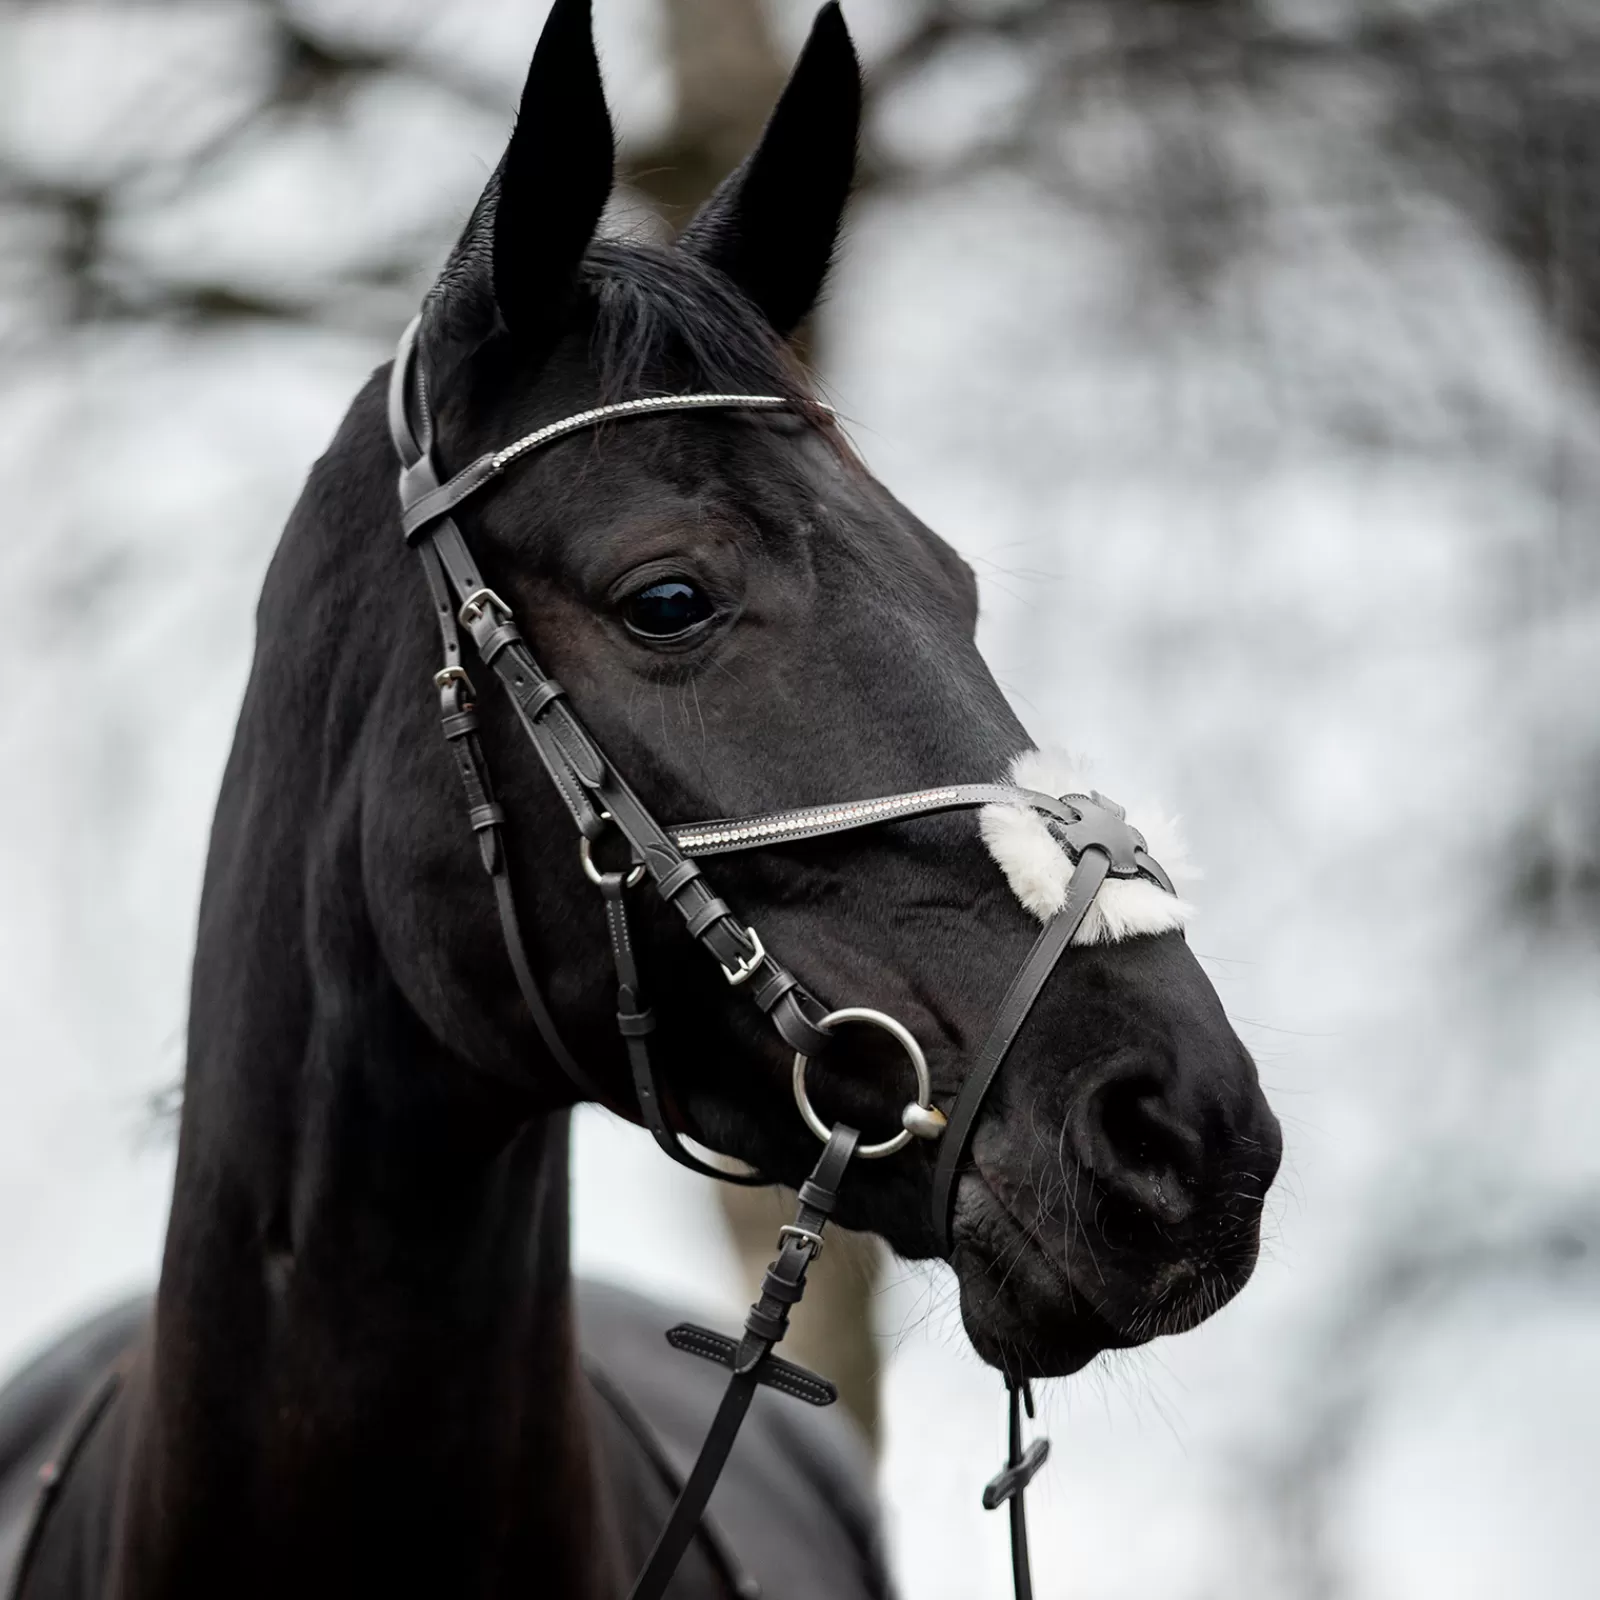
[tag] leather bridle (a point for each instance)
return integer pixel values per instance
(1090, 828)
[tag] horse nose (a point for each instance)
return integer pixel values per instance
(1145, 1135)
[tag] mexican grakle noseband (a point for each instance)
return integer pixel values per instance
(1091, 829)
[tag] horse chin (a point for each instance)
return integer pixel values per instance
(1029, 1314)
(1021, 1309)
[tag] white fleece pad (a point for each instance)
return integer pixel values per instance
(1039, 869)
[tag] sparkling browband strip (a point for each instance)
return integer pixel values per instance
(425, 506)
(650, 405)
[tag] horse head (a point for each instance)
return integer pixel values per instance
(745, 620)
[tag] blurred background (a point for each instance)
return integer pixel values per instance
(1249, 350)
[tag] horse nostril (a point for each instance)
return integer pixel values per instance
(1127, 1132)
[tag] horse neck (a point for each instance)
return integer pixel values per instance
(364, 1376)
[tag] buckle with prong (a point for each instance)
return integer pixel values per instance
(472, 608)
(802, 1236)
(744, 970)
(443, 678)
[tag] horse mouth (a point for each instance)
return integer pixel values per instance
(1029, 1314)
(1022, 1310)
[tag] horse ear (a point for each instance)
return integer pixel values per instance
(773, 225)
(538, 213)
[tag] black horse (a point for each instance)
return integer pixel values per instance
(367, 1369)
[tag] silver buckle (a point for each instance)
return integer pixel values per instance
(804, 1235)
(745, 970)
(472, 607)
(445, 676)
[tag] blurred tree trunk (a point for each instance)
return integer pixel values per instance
(728, 75)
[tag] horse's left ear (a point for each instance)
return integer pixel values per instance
(517, 260)
(772, 226)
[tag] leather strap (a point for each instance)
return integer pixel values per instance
(1041, 962)
(528, 987)
(764, 1327)
(636, 1022)
(775, 1373)
(1010, 1484)
(741, 1583)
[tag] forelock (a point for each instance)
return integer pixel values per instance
(664, 318)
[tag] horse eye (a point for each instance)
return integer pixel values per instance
(666, 609)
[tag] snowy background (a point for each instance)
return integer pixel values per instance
(1275, 327)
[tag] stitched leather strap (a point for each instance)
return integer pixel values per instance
(774, 1372)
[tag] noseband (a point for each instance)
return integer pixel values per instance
(1090, 828)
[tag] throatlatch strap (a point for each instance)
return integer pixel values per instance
(764, 1327)
(636, 1022)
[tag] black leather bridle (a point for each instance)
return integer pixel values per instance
(1090, 828)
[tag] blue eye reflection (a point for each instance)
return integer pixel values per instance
(666, 609)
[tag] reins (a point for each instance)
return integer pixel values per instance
(1091, 829)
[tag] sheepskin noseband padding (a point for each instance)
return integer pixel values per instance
(1039, 869)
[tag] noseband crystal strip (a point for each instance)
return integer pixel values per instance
(1124, 852)
(1089, 828)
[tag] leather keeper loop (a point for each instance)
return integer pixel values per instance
(671, 883)
(770, 1329)
(492, 636)
(417, 481)
(714, 910)
(636, 1024)
(539, 696)
(459, 724)
(486, 816)
(770, 990)
(795, 1027)
(776, 1288)
(819, 1199)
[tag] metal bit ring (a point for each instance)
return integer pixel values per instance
(919, 1065)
